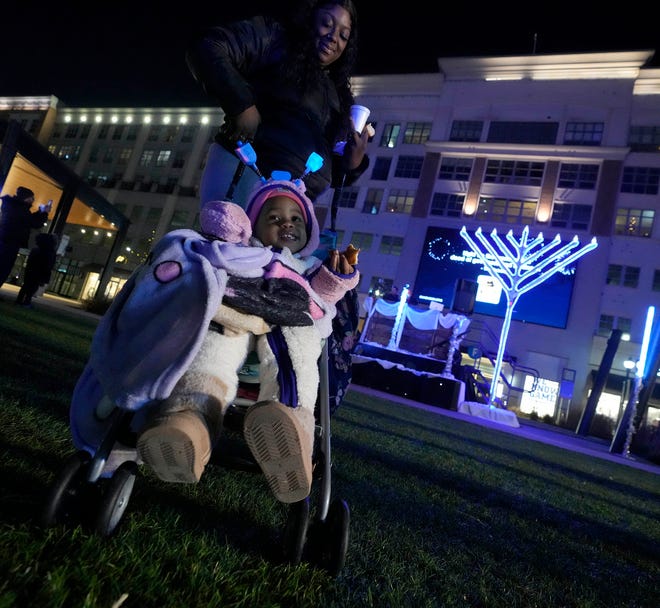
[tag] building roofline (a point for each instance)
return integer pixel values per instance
(574, 66)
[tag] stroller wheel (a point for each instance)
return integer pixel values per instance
(63, 505)
(335, 537)
(295, 531)
(114, 498)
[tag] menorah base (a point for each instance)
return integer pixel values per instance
(483, 410)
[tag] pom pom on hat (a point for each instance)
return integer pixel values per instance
(295, 190)
(227, 221)
(23, 193)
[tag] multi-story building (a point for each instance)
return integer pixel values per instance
(565, 145)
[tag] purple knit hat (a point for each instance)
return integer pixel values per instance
(295, 190)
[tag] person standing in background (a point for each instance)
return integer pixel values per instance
(16, 221)
(38, 267)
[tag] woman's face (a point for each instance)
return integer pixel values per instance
(332, 25)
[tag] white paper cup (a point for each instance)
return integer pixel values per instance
(359, 114)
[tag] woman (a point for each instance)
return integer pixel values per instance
(284, 86)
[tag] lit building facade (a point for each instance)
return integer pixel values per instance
(567, 145)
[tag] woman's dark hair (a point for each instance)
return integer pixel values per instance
(303, 63)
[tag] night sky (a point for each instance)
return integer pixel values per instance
(132, 53)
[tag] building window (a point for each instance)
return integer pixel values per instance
(400, 201)
(644, 138)
(132, 132)
(390, 135)
(607, 323)
(362, 240)
(170, 134)
(153, 215)
(583, 133)
(614, 274)
(124, 156)
(339, 239)
(640, 180)
(179, 160)
(634, 222)
(84, 131)
(507, 211)
(187, 134)
(69, 153)
(381, 168)
(154, 133)
(624, 276)
(390, 245)
(71, 131)
(573, 216)
(117, 132)
(146, 158)
(103, 132)
(163, 158)
(168, 186)
(656, 280)
(466, 130)
(582, 177)
(455, 168)
(372, 201)
(109, 156)
(409, 166)
(448, 205)
(521, 172)
(347, 197)
(417, 132)
(508, 132)
(179, 219)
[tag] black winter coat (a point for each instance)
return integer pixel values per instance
(41, 260)
(16, 221)
(240, 65)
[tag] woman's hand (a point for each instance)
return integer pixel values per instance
(243, 127)
(356, 147)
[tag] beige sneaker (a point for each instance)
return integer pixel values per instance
(282, 448)
(177, 447)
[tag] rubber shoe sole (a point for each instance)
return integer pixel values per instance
(276, 439)
(177, 448)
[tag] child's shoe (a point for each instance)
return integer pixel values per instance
(176, 446)
(281, 443)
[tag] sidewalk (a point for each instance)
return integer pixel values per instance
(545, 433)
(536, 431)
(9, 292)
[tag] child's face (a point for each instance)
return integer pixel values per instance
(281, 224)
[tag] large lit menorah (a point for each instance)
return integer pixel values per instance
(519, 266)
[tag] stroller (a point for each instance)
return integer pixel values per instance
(85, 493)
(94, 487)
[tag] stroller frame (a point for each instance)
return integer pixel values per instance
(82, 495)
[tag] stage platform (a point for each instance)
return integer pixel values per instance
(406, 375)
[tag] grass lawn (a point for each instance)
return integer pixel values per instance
(443, 512)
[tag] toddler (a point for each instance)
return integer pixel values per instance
(284, 313)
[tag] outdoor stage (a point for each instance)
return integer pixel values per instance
(403, 351)
(406, 375)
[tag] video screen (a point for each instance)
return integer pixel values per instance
(447, 258)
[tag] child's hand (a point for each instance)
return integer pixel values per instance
(337, 262)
